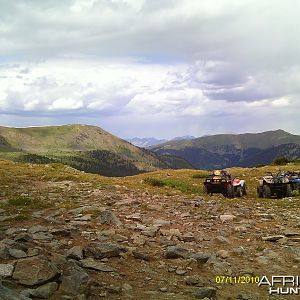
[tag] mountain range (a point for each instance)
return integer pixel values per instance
(92, 149)
(149, 142)
(84, 147)
(227, 150)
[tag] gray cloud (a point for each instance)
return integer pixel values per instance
(153, 59)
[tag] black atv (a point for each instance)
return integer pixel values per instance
(279, 185)
(221, 182)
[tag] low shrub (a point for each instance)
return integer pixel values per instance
(20, 201)
(281, 161)
(182, 186)
(200, 175)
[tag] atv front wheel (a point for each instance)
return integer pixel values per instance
(260, 192)
(289, 191)
(206, 190)
(230, 191)
(239, 192)
(266, 191)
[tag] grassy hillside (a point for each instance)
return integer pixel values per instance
(47, 210)
(226, 150)
(87, 148)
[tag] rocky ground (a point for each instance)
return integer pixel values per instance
(66, 235)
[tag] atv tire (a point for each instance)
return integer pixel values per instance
(239, 192)
(289, 191)
(260, 192)
(266, 191)
(244, 189)
(230, 191)
(205, 190)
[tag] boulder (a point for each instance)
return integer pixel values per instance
(34, 271)
(75, 281)
(102, 250)
(176, 252)
(108, 217)
(8, 294)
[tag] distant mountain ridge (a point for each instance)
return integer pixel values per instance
(228, 150)
(149, 142)
(85, 147)
(146, 142)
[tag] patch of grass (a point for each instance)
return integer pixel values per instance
(20, 201)
(182, 186)
(22, 217)
(27, 202)
(155, 181)
(260, 249)
(67, 205)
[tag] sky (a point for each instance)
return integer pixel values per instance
(151, 68)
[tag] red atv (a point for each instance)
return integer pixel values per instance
(221, 182)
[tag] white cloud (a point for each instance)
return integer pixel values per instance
(214, 60)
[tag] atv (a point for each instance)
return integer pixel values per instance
(221, 182)
(239, 187)
(279, 185)
(294, 178)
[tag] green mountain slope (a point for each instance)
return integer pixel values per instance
(84, 147)
(226, 150)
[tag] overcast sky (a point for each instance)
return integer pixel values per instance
(144, 68)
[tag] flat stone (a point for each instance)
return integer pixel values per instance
(205, 292)
(75, 280)
(32, 252)
(160, 223)
(75, 252)
(289, 232)
(102, 250)
(263, 260)
(140, 255)
(34, 270)
(23, 237)
(16, 253)
(138, 240)
(223, 254)
(150, 231)
(238, 250)
(4, 254)
(127, 287)
(14, 231)
(155, 207)
(6, 270)
(227, 217)
(222, 240)
(90, 263)
(188, 237)
(84, 218)
(108, 217)
(42, 236)
(180, 271)
(134, 216)
(273, 238)
(171, 232)
(119, 238)
(200, 257)
(45, 291)
(192, 280)
(8, 294)
(37, 228)
(176, 252)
